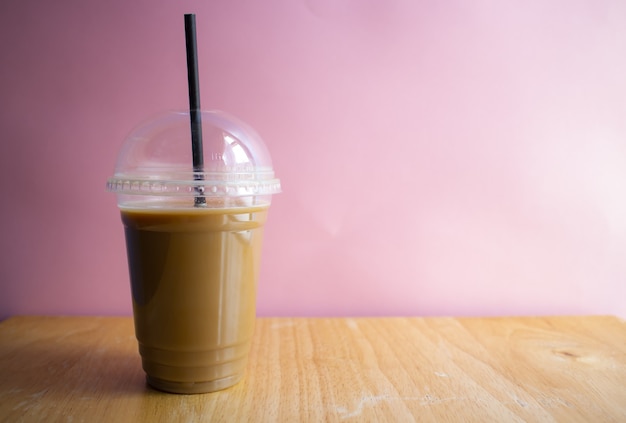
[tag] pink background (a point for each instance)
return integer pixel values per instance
(437, 157)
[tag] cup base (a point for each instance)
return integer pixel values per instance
(193, 387)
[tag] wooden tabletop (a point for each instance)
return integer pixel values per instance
(565, 369)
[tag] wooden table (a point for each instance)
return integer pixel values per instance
(565, 369)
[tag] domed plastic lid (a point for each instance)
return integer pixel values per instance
(156, 159)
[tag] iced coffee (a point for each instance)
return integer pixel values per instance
(193, 270)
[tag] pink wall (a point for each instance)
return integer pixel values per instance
(437, 157)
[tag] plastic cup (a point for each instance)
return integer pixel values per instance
(193, 267)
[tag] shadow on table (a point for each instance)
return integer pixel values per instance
(71, 369)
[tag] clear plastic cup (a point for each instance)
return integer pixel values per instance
(193, 264)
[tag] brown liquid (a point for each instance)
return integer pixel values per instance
(193, 277)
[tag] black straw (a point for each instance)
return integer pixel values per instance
(194, 104)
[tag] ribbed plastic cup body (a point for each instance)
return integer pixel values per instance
(194, 265)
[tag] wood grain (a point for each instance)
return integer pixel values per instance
(563, 369)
